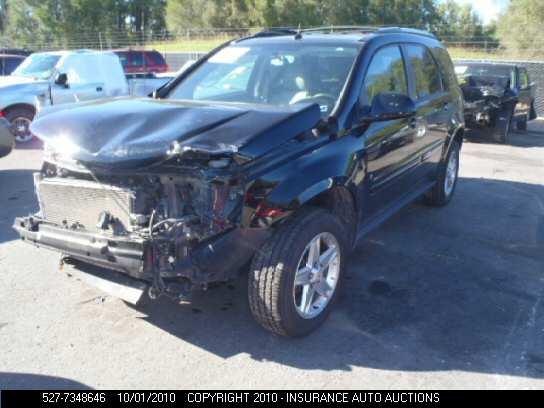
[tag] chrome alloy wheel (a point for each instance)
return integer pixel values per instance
(21, 129)
(317, 275)
(451, 173)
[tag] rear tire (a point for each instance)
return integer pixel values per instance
(532, 112)
(503, 124)
(292, 307)
(521, 124)
(446, 182)
(20, 120)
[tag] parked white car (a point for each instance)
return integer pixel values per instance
(54, 78)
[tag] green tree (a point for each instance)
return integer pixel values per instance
(461, 23)
(521, 27)
(3, 15)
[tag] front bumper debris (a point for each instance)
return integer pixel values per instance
(215, 260)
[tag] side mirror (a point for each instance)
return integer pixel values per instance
(389, 106)
(62, 80)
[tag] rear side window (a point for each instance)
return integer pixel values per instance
(137, 59)
(523, 78)
(426, 72)
(386, 73)
(154, 58)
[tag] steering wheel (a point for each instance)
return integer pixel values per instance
(324, 100)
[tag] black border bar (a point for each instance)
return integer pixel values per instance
(111, 398)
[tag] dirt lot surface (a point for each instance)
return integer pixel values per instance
(435, 298)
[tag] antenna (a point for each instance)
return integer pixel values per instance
(298, 35)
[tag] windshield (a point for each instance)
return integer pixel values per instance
(40, 66)
(484, 70)
(272, 74)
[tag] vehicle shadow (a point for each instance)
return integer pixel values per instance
(16, 199)
(455, 288)
(23, 381)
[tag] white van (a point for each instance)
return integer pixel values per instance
(52, 78)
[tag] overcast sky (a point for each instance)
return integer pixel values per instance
(487, 9)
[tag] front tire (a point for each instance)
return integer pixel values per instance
(521, 124)
(503, 124)
(294, 279)
(446, 181)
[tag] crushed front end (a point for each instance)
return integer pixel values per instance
(485, 98)
(175, 227)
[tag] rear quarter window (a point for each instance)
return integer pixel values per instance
(155, 58)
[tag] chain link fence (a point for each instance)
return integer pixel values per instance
(190, 44)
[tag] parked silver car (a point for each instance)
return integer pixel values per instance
(57, 78)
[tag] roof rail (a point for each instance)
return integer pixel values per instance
(268, 32)
(275, 31)
(403, 30)
(279, 31)
(340, 29)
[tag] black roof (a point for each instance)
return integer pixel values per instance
(15, 51)
(22, 57)
(344, 34)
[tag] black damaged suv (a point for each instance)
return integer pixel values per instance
(279, 151)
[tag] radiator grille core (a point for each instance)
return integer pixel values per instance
(68, 201)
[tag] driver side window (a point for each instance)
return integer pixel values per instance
(386, 73)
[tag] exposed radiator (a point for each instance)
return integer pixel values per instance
(69, 201)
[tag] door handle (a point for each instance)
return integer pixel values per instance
(98, 89)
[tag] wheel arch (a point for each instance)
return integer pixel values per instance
(27, 106)
(338, 200)
(331, 196)
(457, 136)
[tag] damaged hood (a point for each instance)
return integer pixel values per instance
(132, 132)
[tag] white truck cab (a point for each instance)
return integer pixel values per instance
(53, 78)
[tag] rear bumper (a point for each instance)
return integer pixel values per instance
(214, 260)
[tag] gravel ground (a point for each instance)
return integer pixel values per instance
(435, 298)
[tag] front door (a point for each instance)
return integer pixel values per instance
(76, 92)
(388, 144)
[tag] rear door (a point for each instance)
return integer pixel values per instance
(388, 144)
(434, 104)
